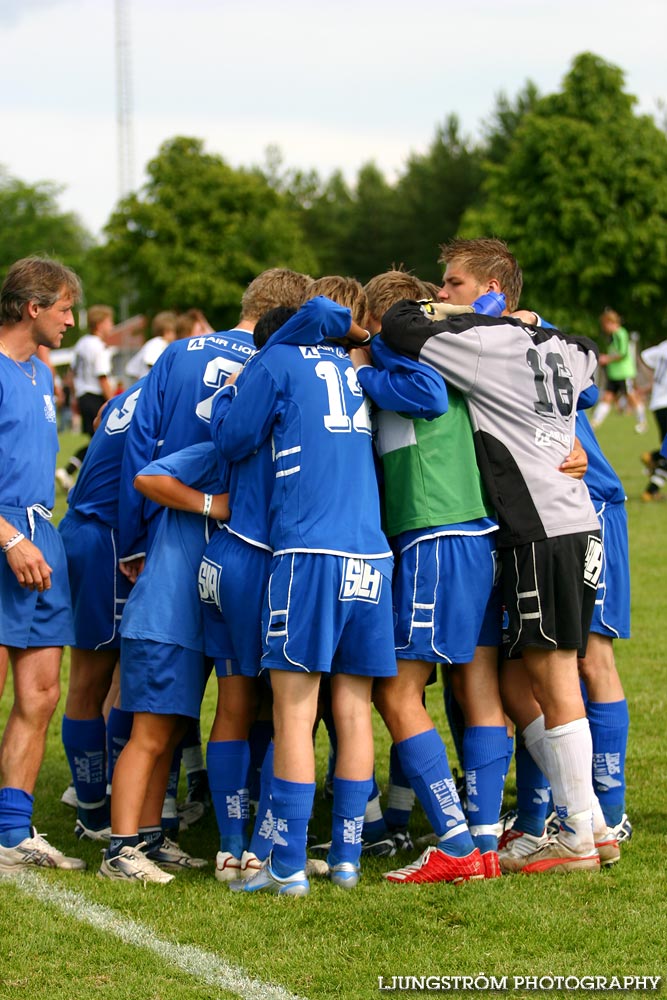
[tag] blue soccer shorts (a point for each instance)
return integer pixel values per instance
(446, 599)
(30, 619)
(328, 614)
(232, 587)
(611, 615)
(99, 590)
(160, 678)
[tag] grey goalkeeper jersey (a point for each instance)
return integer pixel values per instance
(521, 385)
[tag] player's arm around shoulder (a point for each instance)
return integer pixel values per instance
(252, 412)
(398, 383)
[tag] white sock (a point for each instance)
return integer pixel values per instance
(599, 822)
(600, 412)
(533, 737)
(569, 757)
(373, 810)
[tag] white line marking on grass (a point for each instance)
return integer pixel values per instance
(202, 965)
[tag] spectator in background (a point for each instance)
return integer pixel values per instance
(163, 330)
(655, 358)
(621, 369)
(192, 323)
(93, 385)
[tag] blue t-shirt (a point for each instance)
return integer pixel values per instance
(95, 493)
(173, 412)
(307, 401)
(603, 483)
(164, 603)
(28, 434)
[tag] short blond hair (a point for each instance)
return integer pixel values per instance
(345, 292)
(186, 322)
(384, 290)
(278, 286)
(163, 322)
(97, 315)
(431, 289)
(610, 315)
(486, 259)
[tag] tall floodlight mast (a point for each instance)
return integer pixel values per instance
(124, 117)
(124, 98)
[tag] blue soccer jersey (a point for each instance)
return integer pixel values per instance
(90, 530)
(28, 434)
(28, 449)
(603, 483)
(250, 479)
(164, 604)
(95, 493)
(173, 412)
(308, 402)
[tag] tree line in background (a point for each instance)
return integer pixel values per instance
(575, 182)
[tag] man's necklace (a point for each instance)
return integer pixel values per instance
(32, 376)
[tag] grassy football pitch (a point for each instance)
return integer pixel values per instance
(72, 936)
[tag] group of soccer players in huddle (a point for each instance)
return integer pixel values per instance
(350, 487)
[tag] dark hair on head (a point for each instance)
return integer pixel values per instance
(270, 322)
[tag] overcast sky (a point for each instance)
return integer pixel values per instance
(333, 84)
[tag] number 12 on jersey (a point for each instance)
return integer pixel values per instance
(337, 419)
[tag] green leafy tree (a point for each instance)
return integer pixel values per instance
(432, 196)
(581, 197)
(199, 232)
(32, 223)
(367, 227)
(326, 210)
(499, 131)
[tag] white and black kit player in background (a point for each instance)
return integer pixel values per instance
(521, 385)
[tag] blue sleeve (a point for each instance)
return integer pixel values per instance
(141, 447)
(588, 397)
(663, 449)
(223, 399)
(220, 405)
(198, 466)
(251, 415)
(400, 384)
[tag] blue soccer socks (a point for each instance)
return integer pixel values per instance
(84, 741)
(228, 762)
(261, 839)
(347, 819)
(532, 792)
(484, 759)
(15, 816)
(609, 722)
(424, 762)
(292, 803)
